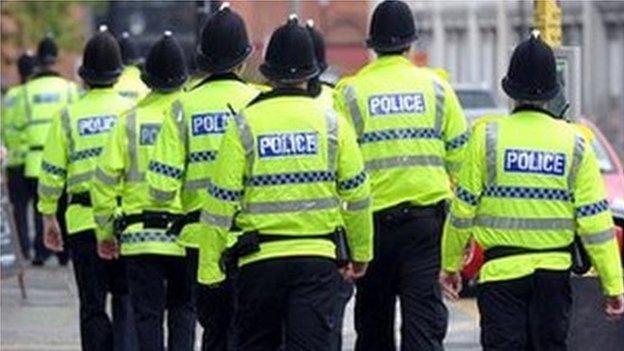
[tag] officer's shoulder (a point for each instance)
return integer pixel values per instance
(344, 82)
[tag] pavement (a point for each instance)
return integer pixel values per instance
(48, 318)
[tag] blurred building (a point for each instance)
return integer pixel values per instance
(473, 40)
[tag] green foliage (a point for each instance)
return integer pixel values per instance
(36, 18)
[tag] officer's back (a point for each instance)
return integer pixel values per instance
(129, 84)
(45, 94)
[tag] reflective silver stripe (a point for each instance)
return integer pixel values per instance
(217, 220)
(178, 112)
(514, 223)
(461, 223)
(358, 205)
(80, 178)
(598, 238)
(132, 174)
(332, 139)
(453, 167)
(197, 184)
(244, 132)
(102, 221)
(577, 157)
(405, 161)
(49, 191)
(28, 107)
(491, 135)
(290, 206)
(66, 123)
(105, 178)
(439, 107)
(161, 195)
(354, 110)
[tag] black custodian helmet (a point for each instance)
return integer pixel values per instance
(532, 73)
(290, 54)
(101, 63)
(319, 45)
(129, 51)
(25, 65)
(165, 66)
(47, 51)
(224, 42)
(392, 27)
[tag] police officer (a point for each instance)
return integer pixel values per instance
(528, 183)
(286, 164)
(159, 277)
(412, 132)
(75, 140)
(45, 94)
(187, 146)
(324, 92)
(13, 119)
(129, 84)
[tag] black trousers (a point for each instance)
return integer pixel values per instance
(406, 264)
(345, 292)
(530, 313)
(215, 311)
(289, 301)
(41, 252)
(158, 283)
(18, 195)
(95, 278)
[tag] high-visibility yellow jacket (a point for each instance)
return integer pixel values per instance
(13, 124)
(410, 127)
(187, 146)
(121, 173)
(75, 140)
(130, 85)
(531, 181)
(44, 96)
(286, 166)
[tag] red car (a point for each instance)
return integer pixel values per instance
(613, 175)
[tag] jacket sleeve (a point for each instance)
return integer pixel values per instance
(594, 223)
(465, 203)
(167, 166)
(346, 104)
(225, 193)
(354, 191)
(455, 131)
(108, 180)
(53, 167)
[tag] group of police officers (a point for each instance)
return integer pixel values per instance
(255, 210)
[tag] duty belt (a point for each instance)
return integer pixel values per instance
(405, 211)
(249, 243)
(178, 224)
(150, 219)
(580, 260)
(83, 198)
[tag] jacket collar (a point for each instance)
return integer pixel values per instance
(281, 92)
(529, 108)
(220, 76)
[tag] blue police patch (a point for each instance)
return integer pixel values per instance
(531, 161)
(129, 94)
(288, 144)
(95, 125)
(393, 104)
(46, 98)
(148, 133)
(209, 123)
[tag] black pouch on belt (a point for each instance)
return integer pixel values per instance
(343, 253)
(580, 259)
(246, 244)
